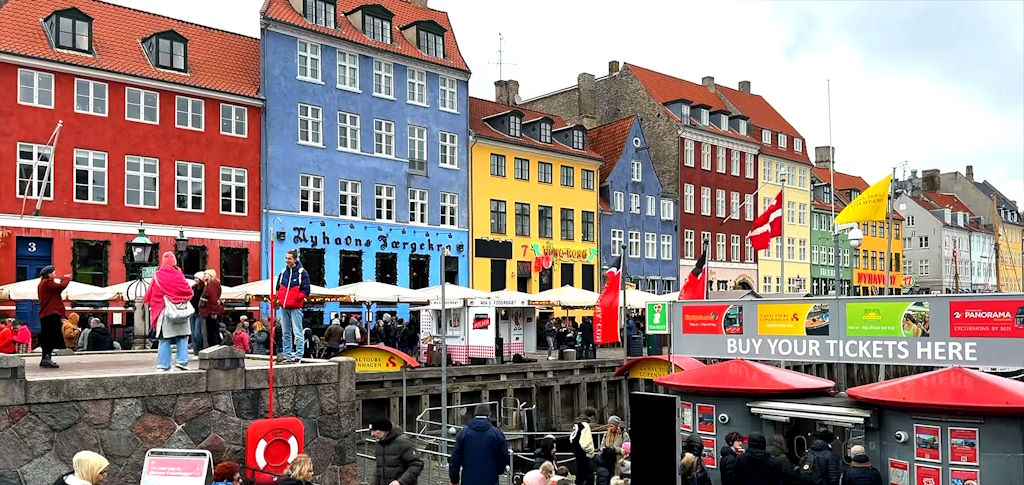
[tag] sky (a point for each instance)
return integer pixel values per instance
(914, 85)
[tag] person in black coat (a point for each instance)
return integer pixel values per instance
(860, 471)
(606, 466)
(587, 339)
(727, 462)
(546, 451)
(822, 452)
(99, 337)
(695, 446)
(481, 452)
(755, 467)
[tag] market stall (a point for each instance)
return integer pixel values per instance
(481, 330)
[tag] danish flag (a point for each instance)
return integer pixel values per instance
(768, 225)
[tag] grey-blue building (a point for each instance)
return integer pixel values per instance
(637, 219)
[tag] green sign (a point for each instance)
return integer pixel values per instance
(657, 317)
(149, 271)
(888, 319)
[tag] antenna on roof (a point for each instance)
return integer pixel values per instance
(501, 63)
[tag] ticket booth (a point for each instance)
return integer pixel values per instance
(483, 330)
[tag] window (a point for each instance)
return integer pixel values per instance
(348, 131)
(309, 61)
(651, 210)
(431, 44)
(688, 243)
(720, 247)
(685, 111)
(142, 105)
(90, 261)
(349, 198)
(924, 267)
(384, 138)
(545, 132)
(766, 170)
(782, 140)
(320, 12)
(667, 209)
(348, 70)
(908, 266)
(310, 124)
(636, 170)
(515, 125)
(791, 248)
(34, 173)
(766, 284)
(798, 145)
(449, 209)
(617, 201)
(766, 137)
(617, 241)
(587, 226)
(497, 165)
(567, 178)
(417, 149)
(386, 268)
(750, 166)
(688, 198)
(814, 254)
(419, 271)
(802, 177)
(233, 186)
(311, 194)
(417, 206)
(384, 202)
(721, 159)
(748, 203)
(634, 244)
(448, 99)
(383, 78)
(522, 219)
(689, 153)
(650, 245)
(142, 181)
(188, 113)
(705, 156)
(449, 149)
(634, 203)
(720, 203)
(577, 139)
(544, 215)
(704, 115)
(735, 246)
(417, 86)
(90, 176)
(70, 29)
(922, 242)
(803, 250)
(705, 201)
(568, 224)
(587, 179)
(749, 257)
(497, 216)
(377, 28)
(234, 120)
(791, 212)
(90, 97)
(734, 198)
(170, 51)
(802, 215)
(780, 172)
(910, 221)
(743, 127)
(188, 186)
(666, 247)
(544, 173)
(522, 169)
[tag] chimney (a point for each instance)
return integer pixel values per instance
(613, 67)
(745, 87)
(708, 82)
(970, 173)
(418, 3)
(930, 180)
(586, 93)
(823, 157)
(505, 92)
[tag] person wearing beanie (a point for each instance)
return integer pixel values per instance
(860, 471)
(90, 469)
(481, 453)
(396, 460)
(755, 467)
(615, 437)
(51, 312)
(71, 331)
(226, 473)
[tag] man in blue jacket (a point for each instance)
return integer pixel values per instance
(481, 453)
(292, 290)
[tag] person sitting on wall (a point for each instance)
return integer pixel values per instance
(22, 337)
(6, 338)
(70, 330)
(99, 336)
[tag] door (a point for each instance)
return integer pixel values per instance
(31, 255)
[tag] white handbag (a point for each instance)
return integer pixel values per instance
(175, 312)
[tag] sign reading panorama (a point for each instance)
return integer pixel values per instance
(970, 330)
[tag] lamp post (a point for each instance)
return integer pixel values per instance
(181, 248)
(140, 248)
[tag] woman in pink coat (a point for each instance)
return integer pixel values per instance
(170, 282)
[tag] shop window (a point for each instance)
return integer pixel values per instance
(546, 279)
(523, 274)
(313, 261)
(351, 267)
(89, 261)
(131, 269)
(451, 270)
(387, 268)
(587, 278)
(234, 266)
(419, 271)
(567, 274)
(195, 260)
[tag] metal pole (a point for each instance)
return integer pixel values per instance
(623, 311)
(785, 213)
(444, 364)
(836, 279)
(888, 232)
(404, 409)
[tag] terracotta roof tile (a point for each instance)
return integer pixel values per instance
(480, 109)
(405, 14)
(763, 115)
(947, 201)
(608, 140)
(841, 180)
(217, 60)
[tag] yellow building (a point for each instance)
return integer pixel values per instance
(1009, 253)
(533, 201)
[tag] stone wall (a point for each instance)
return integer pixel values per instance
(44, 422)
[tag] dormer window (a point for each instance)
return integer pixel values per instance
(577, 139)
(320, 12)
(766, 137)
(798, 145)
(725, 122)
(782, 140)
(704, 115)
(515, 125)
(545, 132)
(742, 127)
(685, 110)
(429, 38)
(377, 23)
(70, 29)
(167, 50)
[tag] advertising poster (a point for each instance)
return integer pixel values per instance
(963, 476)
(686, 421)
(899, 472)
(175, 469)
(963, 446)
(657, 318)
(888, 319)
(927, 443)
(706, 418)
(710, 453)
(712, 319)
(986, 318)
(792, 319)
(927, 475)
(481, 320)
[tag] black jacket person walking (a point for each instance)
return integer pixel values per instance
(396, 460)
(755, 467)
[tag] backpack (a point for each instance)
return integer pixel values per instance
(812, 470)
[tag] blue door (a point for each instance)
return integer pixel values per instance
(32, 254)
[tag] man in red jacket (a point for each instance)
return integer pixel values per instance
(51, 312)
(292, 290)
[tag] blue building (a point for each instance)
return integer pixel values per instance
(365, 156)
(635, 215)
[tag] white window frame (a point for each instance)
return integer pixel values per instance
(705, 116)
(734, 249)
(782, 141)
(349, 124)
(802, 243)
(634, 244)
(748, 203)
(143, 175)
(688, 243)
(802, 214)
(743, 127)
(419, 203)
(734, 200)
(651, 209)
(314, 125)
(634, 203)
(705, 201)
(448, 93)
(416, 87)
(313, 186)
(384, 202)
(617, 237)
(650, 245)
(97, 106)
(384, 138)
(721, 156)
(720, 247)
(232, 184)
(347, 74)
(688, 158)
(705, 156)
(416, 144)
(383, 79)
(720, 203)
(685, 111)
(748, 252)
(352, 190)
(233, 111)
(766, 137)
(91, 159)
(449, 209)
(192, 182)
(636, 171)
(35, 88)
(305, 50)
(191, 105)
(34, 185)
(798, 145)
(142, 105)
(749, 169)
(735, 163)
(667, 209)
(688, 198)
(448, 146)
(666, 247)
(618, 201)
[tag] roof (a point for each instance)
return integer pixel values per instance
(941, 200)
(481, 109)
(840, 181)
(682, 363)
(944, 390)
(763, 116)
(741, 377)
(405, 12)
(990, 191)
(217, 60)
(608, 140)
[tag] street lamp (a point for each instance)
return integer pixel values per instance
(181, 247)
(140, 248)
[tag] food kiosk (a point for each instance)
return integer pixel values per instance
(482, 330)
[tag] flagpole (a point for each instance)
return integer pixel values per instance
(888, 233)
(622, 306)
(782, 257)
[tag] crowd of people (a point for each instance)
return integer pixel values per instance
(565, 333)
(90, 468)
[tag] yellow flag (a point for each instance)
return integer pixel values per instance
(869, 206)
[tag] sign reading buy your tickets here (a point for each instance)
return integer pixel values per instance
(922, 330)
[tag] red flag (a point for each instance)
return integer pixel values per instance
(606, 313)
(768, 225)
(695, 287)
